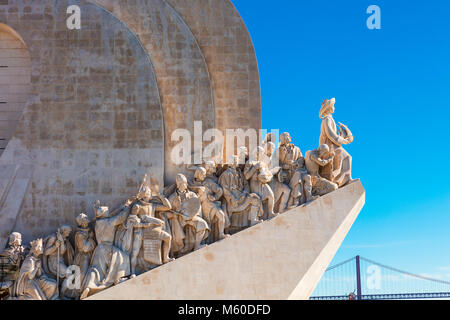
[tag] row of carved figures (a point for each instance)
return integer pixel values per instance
(150, 230)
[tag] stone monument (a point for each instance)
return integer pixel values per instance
(89, 108)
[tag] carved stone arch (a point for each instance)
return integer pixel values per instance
(230, 55)
(227, 49)
(15, 81)
(93, 125)
(181, 70)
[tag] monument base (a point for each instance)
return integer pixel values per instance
(283, 258)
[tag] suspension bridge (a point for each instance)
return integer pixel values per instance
(362, 279)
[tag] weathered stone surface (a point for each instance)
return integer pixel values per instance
(93, 123)
(15, 77)
(230, 56)
(231, 59)
(180, 68)
(283, 258)
(103, 101)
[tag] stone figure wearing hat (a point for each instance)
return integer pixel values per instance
(339, 170)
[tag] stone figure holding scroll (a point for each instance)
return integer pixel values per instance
(151, 240)
(339, 170)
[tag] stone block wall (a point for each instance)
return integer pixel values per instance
(103, 101)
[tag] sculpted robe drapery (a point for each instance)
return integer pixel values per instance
(32, 284)
(84, 246)
(109, 263)
(339, 170)
(178, 223)
(213, 190)
(314, 162)
(238, 198)
(50, 257)
(210, 193)
(329, 135)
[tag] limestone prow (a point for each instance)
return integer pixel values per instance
(282, 258)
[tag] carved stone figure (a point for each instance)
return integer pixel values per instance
(316, 159)
(58, 256)
(244, 208)
(279, 182)
(137, 247)
(186, 220)
(10, 261)
(195, 228)
(210, 192)
(33, 283)
(15, 251)
(150, 230)
(293, 163)
(151, 240)
(211, 170)
(84, 244)
(109, 264)
(259, 174)
(340, 169)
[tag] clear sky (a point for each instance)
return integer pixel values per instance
(392, 90)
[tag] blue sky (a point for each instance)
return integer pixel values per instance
(392, 90)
